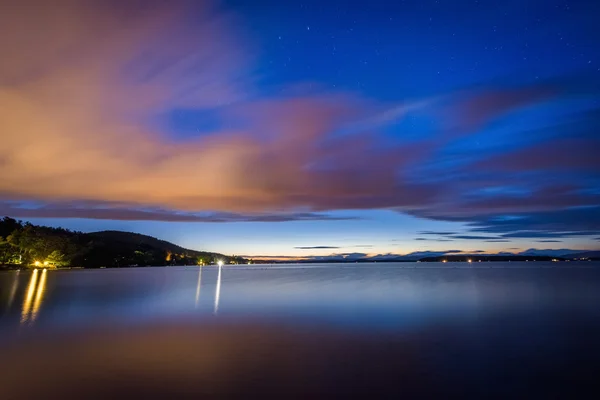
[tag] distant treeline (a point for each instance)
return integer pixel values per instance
(448, 258)
(25, 244)
(486, 258)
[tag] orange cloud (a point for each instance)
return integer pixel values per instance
(79, 94)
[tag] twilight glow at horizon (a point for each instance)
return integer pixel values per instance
(276, 129)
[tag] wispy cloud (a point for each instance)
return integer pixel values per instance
(474, 237)
(440, 233)
(139, 214)
(434, 239)
(315, 247)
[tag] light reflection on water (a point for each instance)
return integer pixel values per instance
(218, 290)
(29, 297)
(392, 295)
(39, 296)
(31, 306)
(13, 290)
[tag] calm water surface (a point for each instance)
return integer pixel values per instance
(505, 329)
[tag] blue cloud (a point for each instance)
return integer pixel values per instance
(315, 247)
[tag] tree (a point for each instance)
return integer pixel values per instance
(57, 259)
(9, 254)
(8, 226)
(205, 259)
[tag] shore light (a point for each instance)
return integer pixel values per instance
(220, 263)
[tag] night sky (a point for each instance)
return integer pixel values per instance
(301, 128)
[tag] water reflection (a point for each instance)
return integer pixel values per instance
(29, 296)
(218, 291)
(13, 290)
(198, 287)
(31, 307)
(39, 296)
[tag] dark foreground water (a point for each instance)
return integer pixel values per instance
(506, 330)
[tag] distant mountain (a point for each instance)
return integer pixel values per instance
(448, 255)
(548, 252)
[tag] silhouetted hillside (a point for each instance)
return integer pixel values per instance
(137, 239)
(28, 244)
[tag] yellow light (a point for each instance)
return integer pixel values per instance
(37, 263)
(39, 295)
(220, 262)
(443, 261)
(470, 260)
(29, 296)
(45, 262)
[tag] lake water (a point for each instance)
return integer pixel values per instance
(385, 329)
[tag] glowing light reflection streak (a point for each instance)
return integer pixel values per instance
(29, 296)
(39, 295)
(218, 291)
(13, 290)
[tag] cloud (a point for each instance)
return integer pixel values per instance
(564, 222)
(580, 220)
(434, 240)
(497, 240)
(549, 241)
(138, 214)
(539, 234)
(475, 109)
(562, 154)
(473, 237)
(338, 257)
(441, 233)
(315, 247)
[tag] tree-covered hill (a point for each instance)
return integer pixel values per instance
(25, 244)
